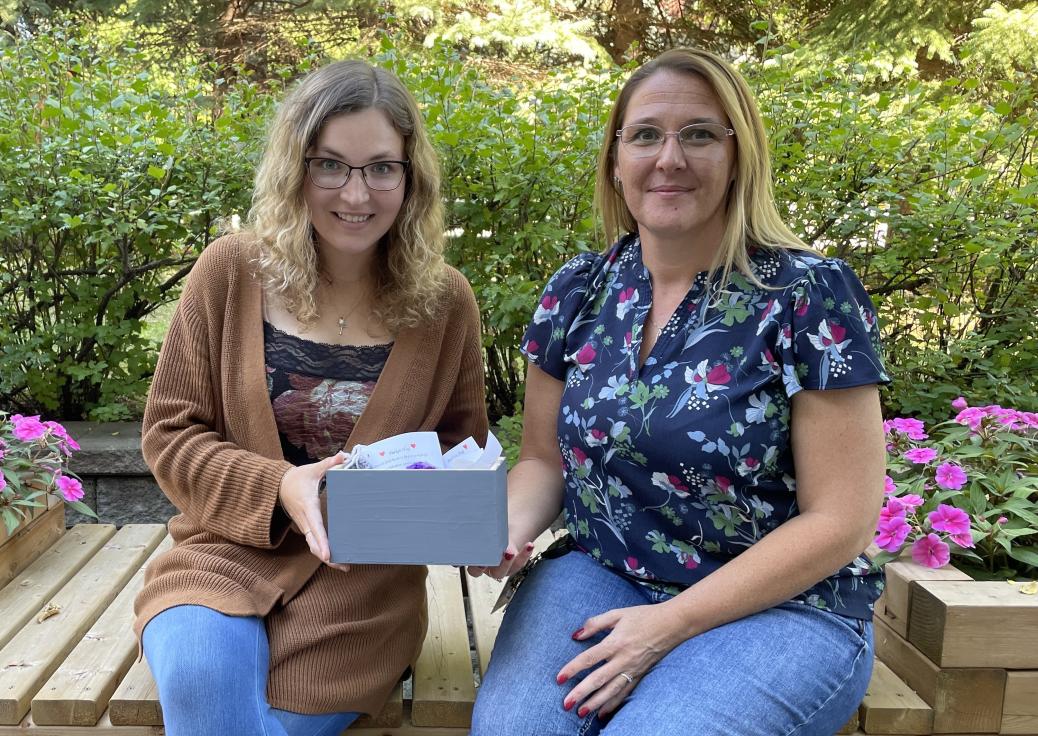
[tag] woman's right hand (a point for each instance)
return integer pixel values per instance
(299, 498)
(512, 560)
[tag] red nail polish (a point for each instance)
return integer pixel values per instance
(583, 711)
(567, 704)
(509, 555)
(529, 546)
(576, 634)
(561, 679)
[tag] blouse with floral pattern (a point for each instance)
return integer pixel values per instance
(674, 468)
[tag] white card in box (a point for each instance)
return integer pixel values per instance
(418, 517)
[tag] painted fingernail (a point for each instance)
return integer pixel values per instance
(561, 679)
(583, 711)
(576, 634)
(529, 546)
(567, 704)
(509, 555)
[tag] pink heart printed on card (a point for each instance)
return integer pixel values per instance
(382, 453)
(413, 445)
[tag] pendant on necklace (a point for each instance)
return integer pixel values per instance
(342, 324)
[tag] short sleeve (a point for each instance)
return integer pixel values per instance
(545, 340)
(829, 334)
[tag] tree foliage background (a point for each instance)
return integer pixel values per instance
(903, 135)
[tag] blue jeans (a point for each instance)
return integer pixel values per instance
(792, 670)
(211, 671)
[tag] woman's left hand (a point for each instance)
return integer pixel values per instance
(638, 638)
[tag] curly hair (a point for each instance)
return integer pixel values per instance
(410, 272)
(752, 218)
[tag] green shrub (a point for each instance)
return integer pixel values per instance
(110, 185)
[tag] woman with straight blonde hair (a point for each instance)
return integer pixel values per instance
(331, 321)
(702, 405)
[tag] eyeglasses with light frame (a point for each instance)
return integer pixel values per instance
(330, 173)
(641, 140)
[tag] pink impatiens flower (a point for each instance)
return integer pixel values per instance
(951, 476)
(959, 404)
(888, 485)
(949, 519)
(892, 533)
(911, 428)
(931, 551)
(28, 429)
(963, 540)
(911, 501)
(71, 489)
(921, 455)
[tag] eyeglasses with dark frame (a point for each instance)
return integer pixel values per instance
(642, 141)
(330, 173)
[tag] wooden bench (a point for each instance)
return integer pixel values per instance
(67, 652)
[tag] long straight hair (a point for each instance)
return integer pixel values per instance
(751, 216)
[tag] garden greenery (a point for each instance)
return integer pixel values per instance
(114, 175)
(967, 488)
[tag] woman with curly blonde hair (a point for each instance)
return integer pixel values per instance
(331, 321)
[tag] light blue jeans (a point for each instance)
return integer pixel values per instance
(789, 670)
(211, 671)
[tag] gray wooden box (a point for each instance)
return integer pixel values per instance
(418, 517)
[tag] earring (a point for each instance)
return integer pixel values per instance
(617, 184)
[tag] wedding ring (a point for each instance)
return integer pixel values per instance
(630, 680)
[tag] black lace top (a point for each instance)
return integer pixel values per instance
(318, 391)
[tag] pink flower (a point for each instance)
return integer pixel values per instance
(626, 294)
(1002, 520)
(68, 445)
(891, 533)
(963, 540)
(950, 476)
(949, 519)
(971, 416)
(531, 346)
(911, 501)
(579, 456)
(585, 355)
(28, 429)
(931, 551)
(911, 428)
(549, 302)
(888, 485)
(920, 455)
(71, 489)
(959, 404)
(892, 509)
(3, 482)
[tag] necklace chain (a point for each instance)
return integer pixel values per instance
(342, 318)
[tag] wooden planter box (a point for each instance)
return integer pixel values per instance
(968, 648)
(20, 547)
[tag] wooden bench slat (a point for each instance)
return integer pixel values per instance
(104, 726)
(136, 700)
(891, 707)
(444, 689)
(28, 592)
(37, 650)
(391, 716)
(483, 594)
(78, 692)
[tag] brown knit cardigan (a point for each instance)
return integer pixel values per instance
(339, 641)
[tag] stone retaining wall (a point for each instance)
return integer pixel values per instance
(116, 482)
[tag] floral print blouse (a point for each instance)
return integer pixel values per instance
(318, 391)
(675, 467)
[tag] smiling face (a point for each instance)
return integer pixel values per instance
(676, 196)
(351, 220)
